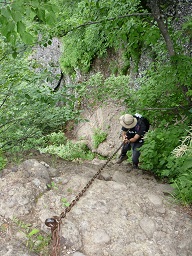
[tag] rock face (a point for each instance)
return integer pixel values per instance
(121, 213)
(106, 118)
(47, 58)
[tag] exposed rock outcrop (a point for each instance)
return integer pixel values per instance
(121, 213)
(105, 118)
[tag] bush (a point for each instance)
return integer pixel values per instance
(3, 161)
(167, 157)
(179, 169)
(56, 138)
(183, 182)
(69, 151)
(158, 146)
(98, 137)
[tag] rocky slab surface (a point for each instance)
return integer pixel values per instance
(122, 213)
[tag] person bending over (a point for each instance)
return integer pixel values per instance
(133, 130)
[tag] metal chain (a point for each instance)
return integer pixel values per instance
(55, 222)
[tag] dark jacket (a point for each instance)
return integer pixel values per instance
(139, 129)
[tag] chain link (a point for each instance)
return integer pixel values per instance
(55, 222)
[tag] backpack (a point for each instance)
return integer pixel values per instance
(144, 120)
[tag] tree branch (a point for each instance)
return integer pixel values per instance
(11, 144)
(105, 20)
(173, 108)
(5, 98)
(4, 2)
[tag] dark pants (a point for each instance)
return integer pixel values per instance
(135, 151)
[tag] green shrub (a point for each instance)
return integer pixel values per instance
(166, 156)
(179, 169)
(100, 89)
(56, 138)
(158, 147)
(98, 137)
(179, 172)
(183, 183)
(69, 151)
(3, 161)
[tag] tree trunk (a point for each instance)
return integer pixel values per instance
(155, 10)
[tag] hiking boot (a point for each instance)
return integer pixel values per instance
(121, 159)
(137, 170)
(129, 168)
(135, 166)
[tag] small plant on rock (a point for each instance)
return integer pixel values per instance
(98, 137)
(64, 202)
(52, 185)
(36, 240)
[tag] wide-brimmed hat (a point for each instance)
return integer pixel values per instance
(128, 121)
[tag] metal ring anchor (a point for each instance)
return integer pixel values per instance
(51, 223)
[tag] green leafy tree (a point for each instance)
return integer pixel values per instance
(29, 109)
(23, 19)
